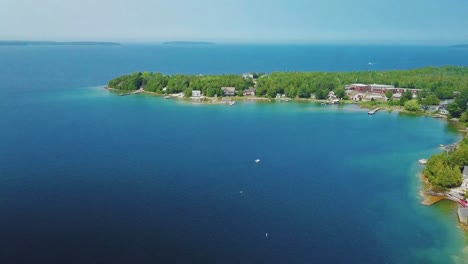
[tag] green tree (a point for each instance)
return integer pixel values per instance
(340, 92)
(412, 105)
(454, 110)
(431, 100)
(389, 95)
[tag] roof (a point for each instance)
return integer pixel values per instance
(231, 89)
(465, 171)
(382, 85)
(359, 84)
(250, 90)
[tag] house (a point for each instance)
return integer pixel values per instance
(196, 94)
(396, 96)
(375, 97)
(229, 91)
(465, 172)
(247, 76)
(443, 112)
(463, 215)
(433, 108)
(331, 95)
(445, 103)
(250, 91)
(358, 97)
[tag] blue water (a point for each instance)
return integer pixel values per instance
(90, 177)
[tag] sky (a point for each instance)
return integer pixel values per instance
(248, 21)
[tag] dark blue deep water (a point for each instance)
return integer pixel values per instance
(90, 177)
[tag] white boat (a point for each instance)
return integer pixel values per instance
(257, 161)
(423, 161)
(233, 103)
(167, 97)
(266, 234)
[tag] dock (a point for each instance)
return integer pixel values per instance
(372, 112)
(134, 92)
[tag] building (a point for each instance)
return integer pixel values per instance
(358, 97)
(375, 97)
(465, 172)
(196, 93)
(463, 215)
(247, 76)
(445, 103)
(443, 112)
(359, 87)
(229, 91)
(250, 91)
(379, 88)
(396, 95)
(331, 95)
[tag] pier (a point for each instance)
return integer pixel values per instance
(372, 112)
(134, 92)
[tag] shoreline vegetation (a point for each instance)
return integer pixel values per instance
(440, 92)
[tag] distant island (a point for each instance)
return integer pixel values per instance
(188, 43)
(55, 43)
(462, 46)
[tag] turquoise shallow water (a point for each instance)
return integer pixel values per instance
(90, 177)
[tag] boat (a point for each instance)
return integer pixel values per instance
(257, 161)
(266, 234)
(423, 161)
(167, 97)
(232, 103)
(441, 145)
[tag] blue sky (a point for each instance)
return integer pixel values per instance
(329, 21)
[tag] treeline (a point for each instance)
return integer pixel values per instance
(445, 169)
(169, 84)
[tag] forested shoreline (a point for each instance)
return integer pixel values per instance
(437, 83)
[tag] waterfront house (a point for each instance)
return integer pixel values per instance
(375, 97)
(196, 93)
(433, 108)
(358, 97)
(463, 215)
(331, 95)
(250, 91)
(229, 91)
(443, 112)
(465, 172)
(396, 95)
(443, 104)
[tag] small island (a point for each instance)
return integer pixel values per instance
(55, 43)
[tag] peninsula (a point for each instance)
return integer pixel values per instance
(437, 91)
